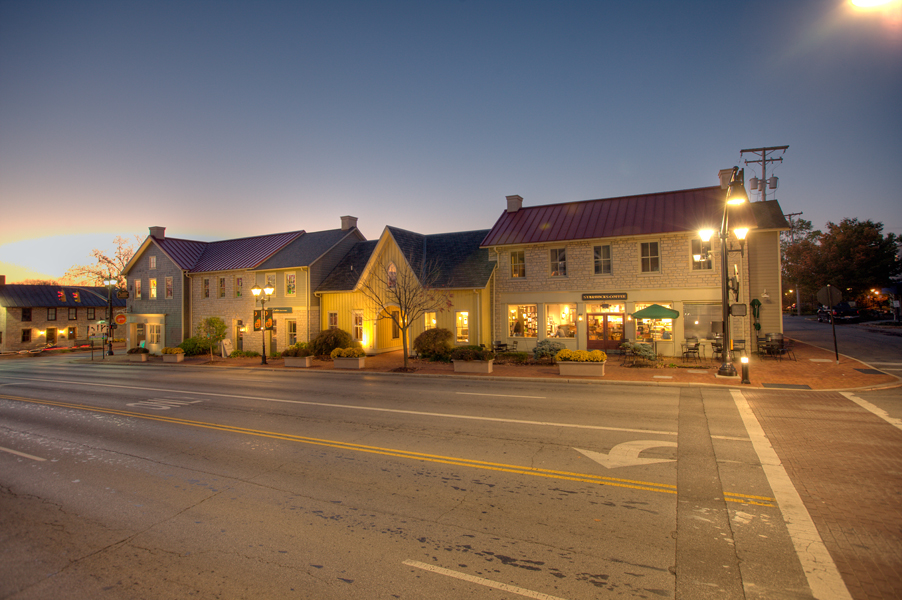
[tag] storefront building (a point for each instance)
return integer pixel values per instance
(576, 272)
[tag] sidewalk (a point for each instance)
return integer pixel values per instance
(814, 369)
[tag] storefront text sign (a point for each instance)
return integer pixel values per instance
(607, 296)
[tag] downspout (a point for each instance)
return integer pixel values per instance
(307, 299)
(478, 318)
(494, 293)
(186, 282)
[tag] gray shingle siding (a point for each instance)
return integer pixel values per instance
(173, 308)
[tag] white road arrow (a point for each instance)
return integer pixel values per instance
(627, 454)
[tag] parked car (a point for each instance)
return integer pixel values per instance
(841, 313)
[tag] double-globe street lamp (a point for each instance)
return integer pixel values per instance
(736, 195)
(268, 290)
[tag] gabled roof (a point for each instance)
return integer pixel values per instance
(243, 253)
(58, 296)
(460, 260)
(646, 214)
(184, 253)
(308, 249)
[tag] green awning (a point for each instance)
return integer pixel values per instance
(656, 311)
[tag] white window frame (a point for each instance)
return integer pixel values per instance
(332, 320)
(701, 248)
(291, 284)
(556, 262)
(650, 257)
(461, 327)
(602, 261)
(518, 264)
(153, 261)
(357, 325)
(152, 294)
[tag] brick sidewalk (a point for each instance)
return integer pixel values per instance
(846, 464)
(815, 368)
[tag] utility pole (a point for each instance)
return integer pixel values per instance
(792, 241)
(763, 161)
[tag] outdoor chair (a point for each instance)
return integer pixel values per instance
(691, 350)
(788, 346)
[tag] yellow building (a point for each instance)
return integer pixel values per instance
(439, 280)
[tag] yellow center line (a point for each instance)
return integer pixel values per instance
(435, 458)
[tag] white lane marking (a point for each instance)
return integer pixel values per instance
(162, 403)
(897, 423)
(481, 581)
(374, 409)
(22, 454)
(498, 395)
(823, 577)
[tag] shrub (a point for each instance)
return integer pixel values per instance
(434, 344)
(194, 346)
(643, 351)
(173, 351)
(244, 354)
(299, 349)
(347, 353)
(517, 358)
(329, 339)
(547, 349)
(471, 353)
(580, 356)
(137, 350)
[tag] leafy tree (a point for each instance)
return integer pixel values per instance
(405, 297)
(105, 264)
(211, 330)
(852, 255)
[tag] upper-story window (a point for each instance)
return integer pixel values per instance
(239, 283)
(518, 263)
(603, 263)
(153, 288)
(222, 287)
(91, 313)
(153, 262)
(51, 314)
(73, 314)
(650, 255)
(169, 288)
(271, 281)
(206, 288)
(392, 273)
(137, 289)
(701, 255)
(26, 314)
(558, 262)
(291, 284)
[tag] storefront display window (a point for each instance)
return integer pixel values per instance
(605, 308)
(463, 327)
(654, 329)
(523, 320)
(561, 320)
(697, 319)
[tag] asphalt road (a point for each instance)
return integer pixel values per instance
(129, 482)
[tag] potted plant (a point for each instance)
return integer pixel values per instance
(173, 355)
(348, 358)
(472, 359)
(299, 356)
(581, 363)
(138, 354)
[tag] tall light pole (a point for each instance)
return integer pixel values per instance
(736, 195)
(268, 290)
(110, 282)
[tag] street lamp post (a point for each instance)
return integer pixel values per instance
(736, 194)
(268, 290)
(110, 282)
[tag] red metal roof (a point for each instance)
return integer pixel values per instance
(243, 253)
(647, 214)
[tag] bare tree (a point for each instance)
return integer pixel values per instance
(105, 265)
(404, 297)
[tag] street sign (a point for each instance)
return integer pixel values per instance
(829, 296)
(122, 294)
(120, 319)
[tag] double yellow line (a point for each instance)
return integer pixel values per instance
(434, 458)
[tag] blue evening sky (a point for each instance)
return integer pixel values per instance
(237, 118)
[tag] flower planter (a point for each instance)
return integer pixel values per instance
(349, 363)
(473, 366)
(137, 357)
(302, 362)
(173, 358)
(581, 369)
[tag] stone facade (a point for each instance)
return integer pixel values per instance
(12, 325)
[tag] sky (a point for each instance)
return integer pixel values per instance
(230, 119)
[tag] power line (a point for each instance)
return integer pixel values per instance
(763, 153)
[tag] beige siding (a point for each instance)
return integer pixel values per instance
(764, 274)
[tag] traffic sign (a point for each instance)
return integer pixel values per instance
(829, 296)
(120, 319)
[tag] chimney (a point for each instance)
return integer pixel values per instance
(2, 279)
(514, 203)
(158, 233)
(348, 222)
(725, 175)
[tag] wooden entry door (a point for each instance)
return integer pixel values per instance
(605, 331)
